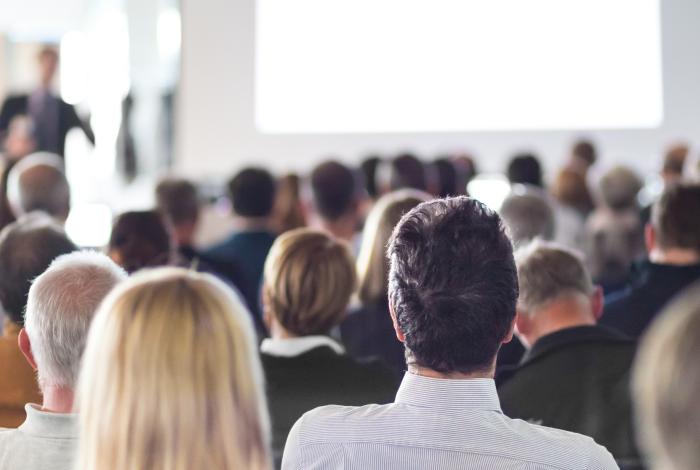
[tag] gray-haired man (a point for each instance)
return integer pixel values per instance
(61, 304)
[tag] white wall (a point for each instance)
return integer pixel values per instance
(216, 131)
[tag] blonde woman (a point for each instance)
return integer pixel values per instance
(368, 330)
(308, 281)
(171, 379)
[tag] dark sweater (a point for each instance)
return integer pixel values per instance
(320, 377)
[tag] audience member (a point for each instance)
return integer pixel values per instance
(525, 168)
(446, 175)
(178, 201)
(466, 171)
(309, 278)
(141, 239)
(27, 248)
(171, 379)
(288, 211)
(51, 117)
(335, 199)
(619, 188)
(673, 243)
(527, 215)
(406, 171)
(666, 386)
(241, 257)
(38, 183)
(672, 171)
(583, 156)
(60, 307)
(368, 330)
(571, 190)
(452, 293)
(557, 309)
(369, 168)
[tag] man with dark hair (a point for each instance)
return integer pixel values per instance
(452, 294)
(673, 243)
(407, 171)
(51, 117)
(335, 200)
(27, 248)
(178, 201)
(241, 257)
(525, 168)
(583, 156)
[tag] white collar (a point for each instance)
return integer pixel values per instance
(291, 347)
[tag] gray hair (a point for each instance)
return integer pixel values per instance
(527, 216)
(60, 307)
(38, 183)
(546, 272)
(666, 384)
(619, 188)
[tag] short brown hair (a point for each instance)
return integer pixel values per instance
(177, 200)
(676, 217)
(309, 279)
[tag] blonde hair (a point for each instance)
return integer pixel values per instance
(372, 262)
(666, 384)
(171, 379)
(309, 279)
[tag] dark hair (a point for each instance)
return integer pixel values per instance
(252, 192)
(368, 167)
(452, 284)
(407, 171)
(177, 200)
(446, 173)
(525, 168)
(676, 217)
(334, 189)
(142, 239)
(27, 248)
(585, 150)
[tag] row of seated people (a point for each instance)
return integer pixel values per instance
(453, 296)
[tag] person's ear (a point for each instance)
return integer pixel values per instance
(26, 347)
(649, 237)
(598, 302)
(399, 334)
(522, 323)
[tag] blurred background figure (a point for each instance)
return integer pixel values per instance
(667, 384)
(178, 201)
(288, 210)
(466, 171)
(51, 117)
(570, 189)
(141, 239)
(27, 248)
(309, 279)
(171, 360)
(446, 178)
(335, 201)
(526, 169)
(368, 330)
(38, 183)
(583, 156)
(528, 216)
(404, 171)
(369, 168)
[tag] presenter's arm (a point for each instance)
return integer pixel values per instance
(84, 125)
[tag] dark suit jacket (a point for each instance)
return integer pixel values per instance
(632, 310)
(320, 377)
(576, 379)
(67, 120)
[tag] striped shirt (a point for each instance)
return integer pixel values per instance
(435, 424)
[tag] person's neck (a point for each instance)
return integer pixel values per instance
(342, 228)
(559, 315)
(57, 399)
(251, 224)
(674, 256)
(433, 374)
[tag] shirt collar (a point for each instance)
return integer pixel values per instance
(290, 347)
(45, 424)
(448, 394)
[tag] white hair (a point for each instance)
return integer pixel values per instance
(61, 304)
(48, 191)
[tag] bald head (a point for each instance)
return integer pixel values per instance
(38, 183)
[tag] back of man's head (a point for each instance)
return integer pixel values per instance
(548, 272)
(584, 150)
(619, 188)
(60, 307)
(453, 285)
(334, 190)
(407, 171)
(27, 248)
(528, 216)
(178, 201)
(38, 183)
(676, 218)
(525, 169)
(252, 193)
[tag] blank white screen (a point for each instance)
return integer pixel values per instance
(364, 66)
